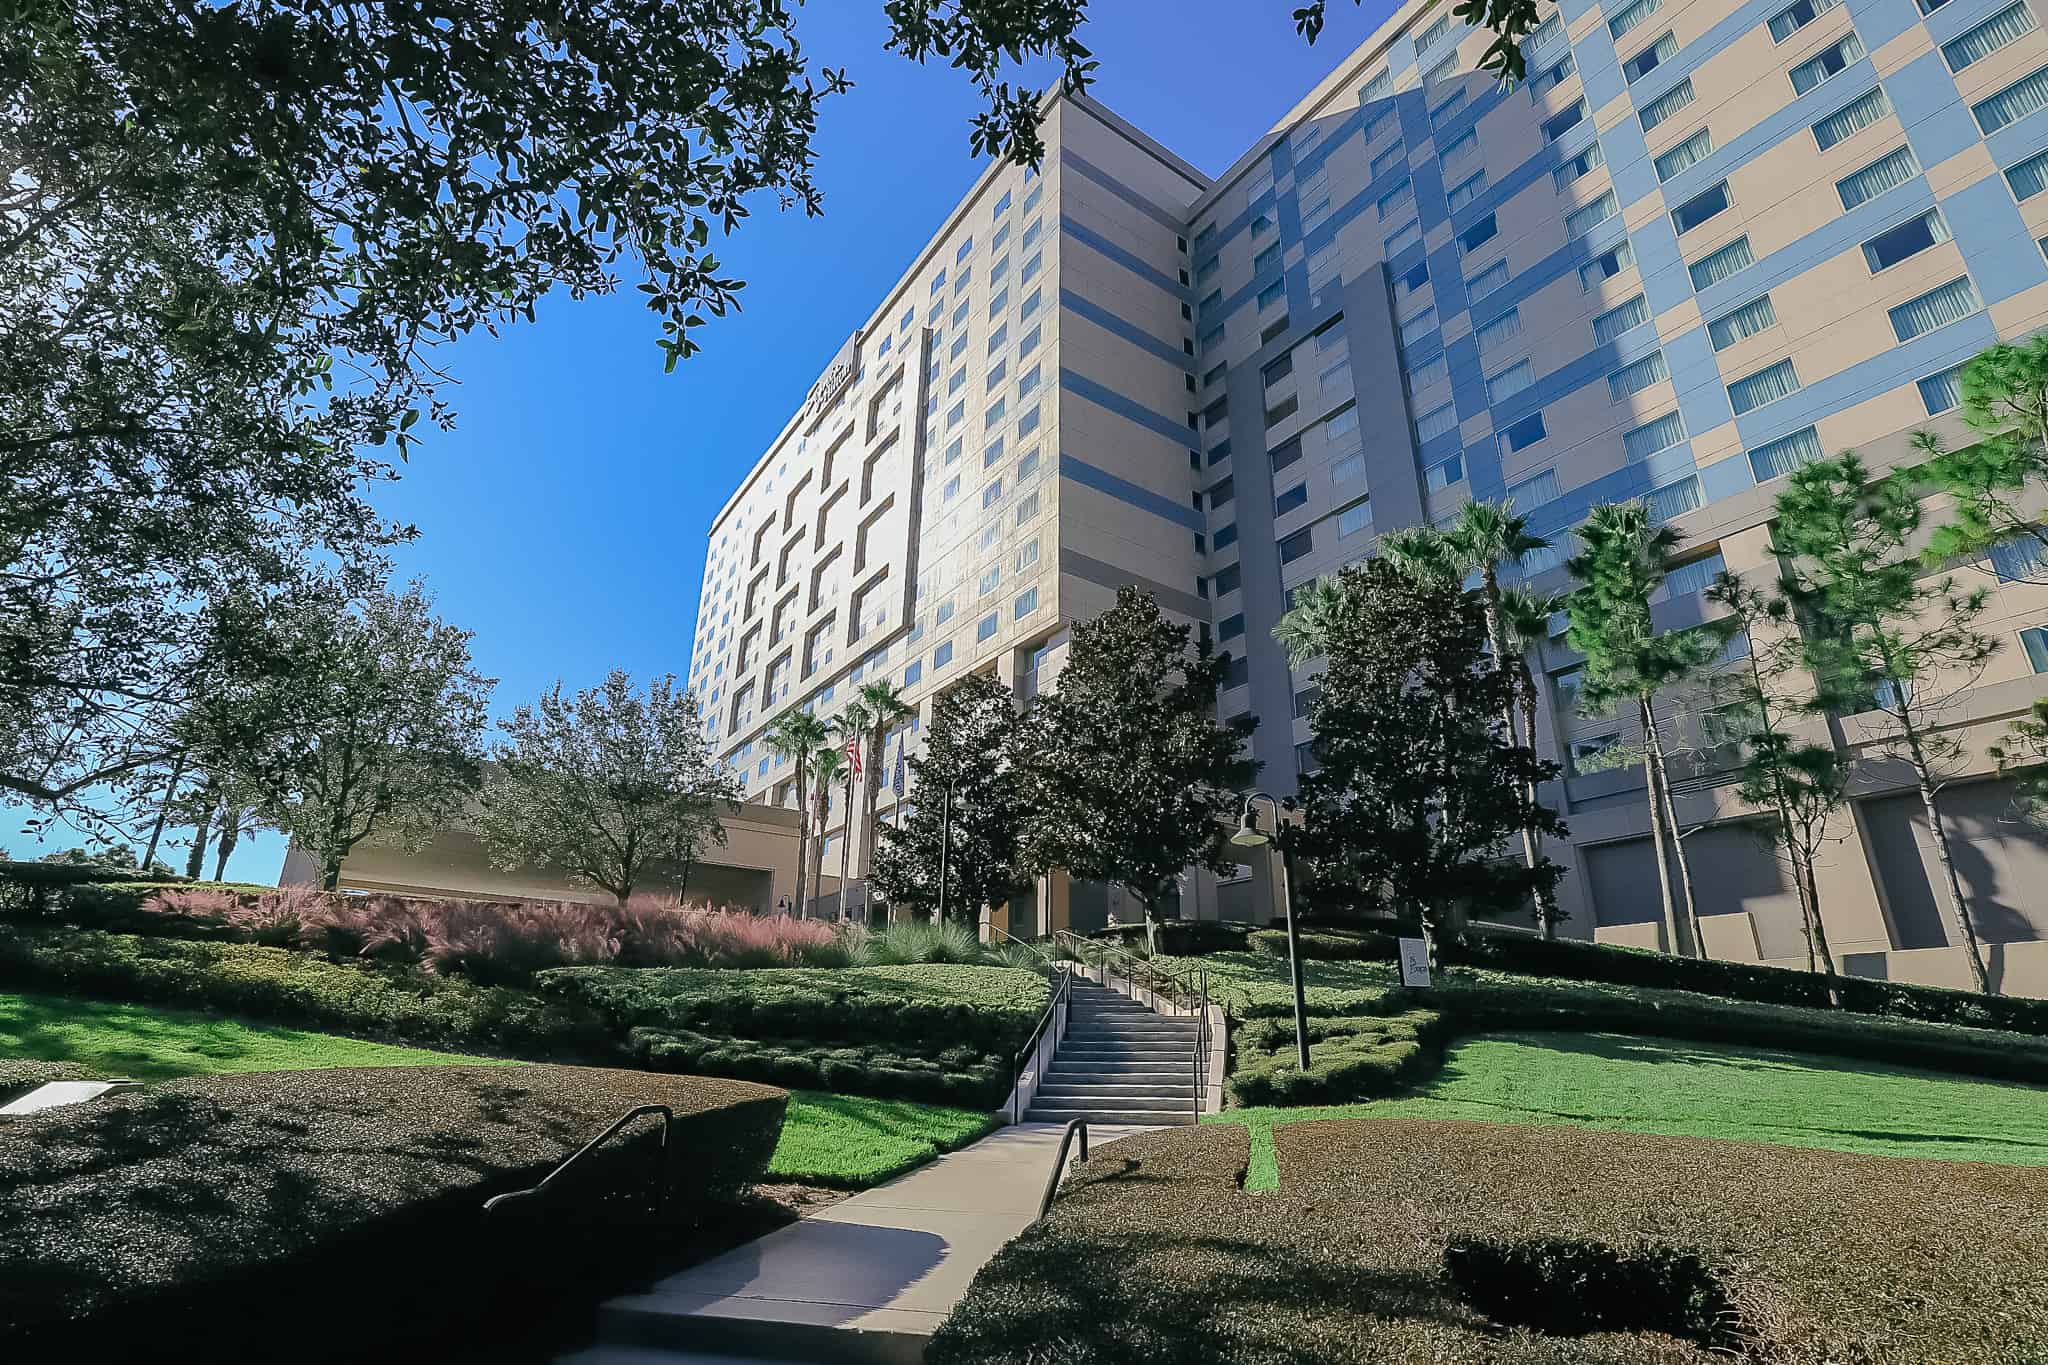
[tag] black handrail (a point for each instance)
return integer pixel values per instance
(1059, 995)
(1043, 955)
(1059, 1163)
(1141, 973)
(668, 1119)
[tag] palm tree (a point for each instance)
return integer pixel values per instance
(1486, 536)
(850, 727)
(794, 736)
(828, 765)
(1525, 617)
(1304, 632)
(885, 708)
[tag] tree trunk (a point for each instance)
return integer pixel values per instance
(330, 873)
(195, 861)
(230, 835)
(1497, 635)
(1532, 844)
(163, 812)
(823, 803)
(1692, 912)
(846, 848)
(870, 799)
(1657, 838)
(803, 832)
(1817, 939)
(1958, 904)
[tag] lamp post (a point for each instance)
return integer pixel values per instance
(1250, 836)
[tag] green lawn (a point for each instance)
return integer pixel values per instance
(1656, 1085)
(852, 1142)
(146, 1044)
(839, 1140)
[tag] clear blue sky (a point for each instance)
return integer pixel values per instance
(564, 520)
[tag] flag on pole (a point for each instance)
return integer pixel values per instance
(896, 783)
(853, 755)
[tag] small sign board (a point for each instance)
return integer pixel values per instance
(1414, 962)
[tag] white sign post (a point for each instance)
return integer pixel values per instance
(1414, 962)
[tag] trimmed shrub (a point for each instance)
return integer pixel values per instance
(360, 998)
(955, 1076)
(918, 1009)
(1329, 945)
(1384, 1242)
(1182, 937)
(215, 1217)
(1349, 1059)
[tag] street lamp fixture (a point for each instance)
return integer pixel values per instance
(1249, 835)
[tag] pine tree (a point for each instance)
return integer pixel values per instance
(968, 814)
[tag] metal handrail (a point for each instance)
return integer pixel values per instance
(1059, 1163)
(668, 1119)
(1202, 1048)
(1137, 974)
(1045, 1020)
(995, 928)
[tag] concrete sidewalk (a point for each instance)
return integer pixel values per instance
(868, 1279)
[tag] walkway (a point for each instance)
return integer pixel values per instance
(868, 1279)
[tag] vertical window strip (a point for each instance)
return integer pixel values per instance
(1888, 172)
(1666, 104)
(2008, 26)
(1652, 437)
(1742, 323)
(1780, 457)
(2013, 103)
(1852, 117)
(1688, 153)
(1767, 385)
(1616, 321)
(1951, 302)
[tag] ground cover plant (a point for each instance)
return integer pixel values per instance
(1661, 1085)
(852, 1142)
(213, 1216)
(1402, 1241)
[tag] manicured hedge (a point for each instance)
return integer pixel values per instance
(337, 1215)
(1329, 945)
(1391, 1242)
(921, 1009)
(395, 1003)
(1184, 937)
(1350, 1059)
(953, 1076)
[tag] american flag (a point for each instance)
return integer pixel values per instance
(853, 755)
(896, 783)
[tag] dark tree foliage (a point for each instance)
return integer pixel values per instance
(968, 752)
(1419, 789)
(1128, 777)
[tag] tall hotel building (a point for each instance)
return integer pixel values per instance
(1703, 243)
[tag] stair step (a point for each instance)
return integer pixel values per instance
(1158, 1118)
(1162, 1074)
(1124, 1051)
(1051, 1091)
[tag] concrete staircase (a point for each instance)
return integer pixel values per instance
(1118, 1063)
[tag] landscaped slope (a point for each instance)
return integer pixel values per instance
(1403, 1241)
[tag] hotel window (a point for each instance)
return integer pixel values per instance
(1782, 456)
(1479, 234)
(1700, 208)
(1633, 379)
(1498, 332)
(1418, 325)
(1026, 603)
(1429, 374)
(1673, 499)
(1461, 150)
(1905, 241)
(1440, 29)
(1649, 59)
(1550, 28)
(1888, 172)
(1027, 509)
(1653, 436)
(1266, 260)
(1334, 378)
(1851, 118)
(996, 374)
(1942, 392)
(1031, 267)
(1487, 280)
(997, 338)
(1404, 237)
(1465, 191)
(1226, 536)
(1695, 575)
(1666, 104)
(2008, 26)
(1386, 161)
(2013, 103)
(1579, 166)
(1509, 382)
(1690, 152)
(1719, 265)
(1552, 76)
(1631, 16)
(1397, 200)
(1340, 429)
(1348, 470)
(1829, 61)
(1297, 545)
(2029, 177)
(995, 305)
(1606, 266)
(1581, 221)
(1524, 433)
(1789, 21)
(1444, 473)
(2035, 641)
(1229, 579)
(1028, 344)
(1276, 292)
(1027, 466)
(1743, 323)
(1615, 321)
(1442, 71)
(985, 628)
(995, 243)
(1451, 105)
(1030, 234)
(1206, 269)
(1285, 454)
(1952, 302)
(1377, 86)
(1558, 125)
(1438, 421)
(2018, 558)
(1534, 491)
(1767, 385)
(1294, 497)
(1354, 519)
(942, 656)
(1029, 306)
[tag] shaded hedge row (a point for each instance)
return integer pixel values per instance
(1396, 1241)
(1349, 1059)
(956, 1075)
(221, 1217)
